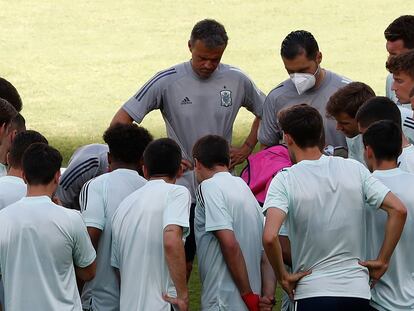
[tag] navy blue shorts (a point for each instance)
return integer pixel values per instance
(332, 304)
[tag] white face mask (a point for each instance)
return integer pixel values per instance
(303, 81)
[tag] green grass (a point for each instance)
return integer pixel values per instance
(76, 62)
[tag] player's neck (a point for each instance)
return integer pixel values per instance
(383, 165)
(310, 154)
(167, 179)
(117, 165)
(15, 172)
(217, 169)
(41, 190)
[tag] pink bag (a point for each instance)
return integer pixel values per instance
(262, 167)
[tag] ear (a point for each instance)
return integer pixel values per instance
(190, 47)
(369, 153)
(288, 139)
(8, 158)
(319, 57)
(57, 177)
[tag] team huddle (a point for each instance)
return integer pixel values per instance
(330, 220)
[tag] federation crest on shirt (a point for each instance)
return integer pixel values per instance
(225, 98)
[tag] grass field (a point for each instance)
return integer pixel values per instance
(75, 62)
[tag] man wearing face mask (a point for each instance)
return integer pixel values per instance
(309, 83)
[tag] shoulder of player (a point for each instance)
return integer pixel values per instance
(280, 90)
(338, 80)
(164, 78)
(233, 71)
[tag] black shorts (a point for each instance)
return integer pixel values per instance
(332, 304)
(190, 244)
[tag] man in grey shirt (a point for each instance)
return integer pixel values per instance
(308, 83)
(196, 98)
(87, 162)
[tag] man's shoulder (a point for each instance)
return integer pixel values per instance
(337, 80)
(283, 88)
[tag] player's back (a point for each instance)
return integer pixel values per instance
(395, 290)
(326, 223)
(137, 245)
(225, 202)
(39, 243)
(100, 198)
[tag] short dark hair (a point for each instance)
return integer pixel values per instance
(348, 99)
(21, 142)
(18, 123)
(127, 142)
(211, 32)
(40, 164)
(7, 112)
(162, 157)
(303, 123)
(212, 150)
(384, 137)
(403, 62)
(376, 109)
(298, 42)
(9, 93)
(401, 28)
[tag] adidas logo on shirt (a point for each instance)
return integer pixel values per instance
(186, 101)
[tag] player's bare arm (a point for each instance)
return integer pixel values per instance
(236, 264)
(271, 244)
(239, 154)
(175, 257)
(397, 214)
(267, 301)
(87, 273)
(94, 234)
(121, 117)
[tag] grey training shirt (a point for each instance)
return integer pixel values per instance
(285, 95)
(193, 107)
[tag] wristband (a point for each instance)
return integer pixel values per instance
(251, 300)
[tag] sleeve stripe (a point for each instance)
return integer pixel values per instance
(199, 197)
(65, 178)
(142, 93)
(83, 198)
(407, 121)
(80, 172)
(152, 79)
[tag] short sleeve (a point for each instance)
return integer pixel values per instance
(254, 98)
(149, 97)
(92, 204)
(277, 195)
(83, 252)
(269, 132)
(374, 191)
(177, 211)
(283, 231)
(218, 215)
